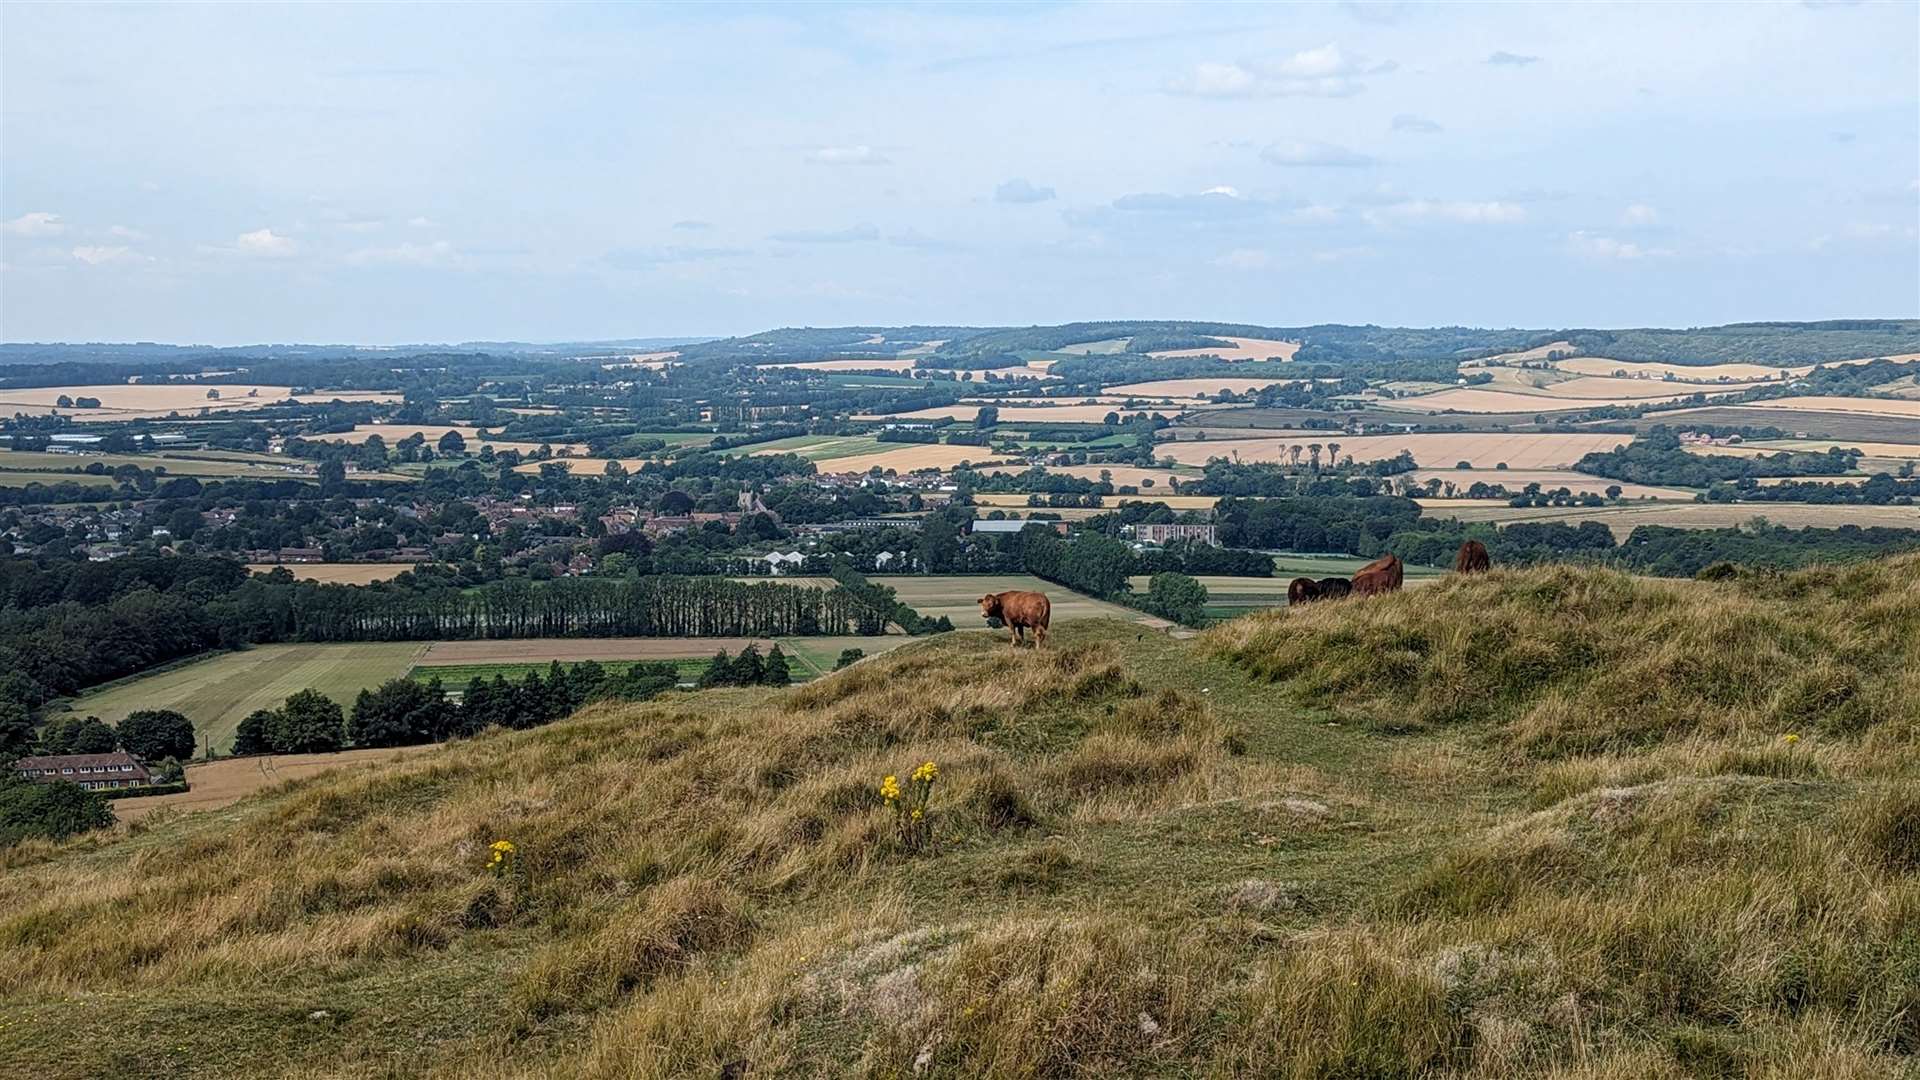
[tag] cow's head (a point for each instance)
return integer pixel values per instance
(990, 606)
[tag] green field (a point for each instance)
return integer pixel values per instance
(819, 447)
(455, 678)
(956, 596)
(219, 692)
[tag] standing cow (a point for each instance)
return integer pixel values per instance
(1382, 575)
(1472, 558)
(1021, 611)
(1334, 588)
(1302, 590)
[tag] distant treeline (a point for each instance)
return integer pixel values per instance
(1658, 457)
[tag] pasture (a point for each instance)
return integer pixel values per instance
(455, 678)
(215, 784)
(1228, 597)
(956, 596)
(1577, 394)
(1150, 480)
(218, 692)
(450, 658)
(824, 447)
(433, 433)
(581, 466)
(1520, 450)
(336, 573)
(908, 457)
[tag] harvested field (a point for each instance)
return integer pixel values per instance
(1899, 407)
(1120, 475)
(1243, 349)
(908, 457)
(1846, 427)
(1623, 519)
(218, 692)
(177, 463)
(1700, 373)
(1520, 450)
(337, 573)
(1184, 388)
(136, 401)
(221, 783)
(1105, 347)
(1538, 352)
(19, 478)
(393, 433)
(1567, 394)
(1549, 480)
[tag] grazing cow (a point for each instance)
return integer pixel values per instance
(1302, 590)
(1382, 575)
(1472, 558)
(1335, 588)
(1021, 611)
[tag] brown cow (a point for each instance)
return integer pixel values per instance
(1302, 590)
(1335, 588)
(1021, 611)
(1472, 558)
(1382, 575)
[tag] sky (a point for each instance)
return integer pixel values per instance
(365, 173)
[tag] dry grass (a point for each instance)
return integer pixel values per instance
(1600, 860)
(1241, 349)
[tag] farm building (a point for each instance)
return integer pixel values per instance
(1168, 533)
(1014, 525)
(116, 770)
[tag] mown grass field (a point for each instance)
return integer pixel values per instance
(219, 692)
(1561, 834)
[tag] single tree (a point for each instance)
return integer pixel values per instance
(154, 734)
(778, 672)
(255, 733)
(310, 723)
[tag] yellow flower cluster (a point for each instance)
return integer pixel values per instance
(926, 772)
(1791, 738)
(502, 851)
(890, 788)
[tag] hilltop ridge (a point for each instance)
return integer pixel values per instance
(1556, 821)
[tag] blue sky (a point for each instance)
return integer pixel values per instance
(366, 173)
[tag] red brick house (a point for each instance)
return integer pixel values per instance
(116, 770)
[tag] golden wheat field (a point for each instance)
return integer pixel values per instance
(1538, 352)
(1690, 373)
(336, 573)
(577, 466)
(393, 433)
(1691, 515)
(1244, 348)
(1520, 450)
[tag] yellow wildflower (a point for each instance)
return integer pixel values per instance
(1792, 738)
(926, 772)
(917, 814)
(890, 788)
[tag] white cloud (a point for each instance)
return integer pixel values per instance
(264, 243)
(1245, 259)
(1594, 246)
(846, 155)
(1639, 215)
(1466, 213)
(1303, 153)
(1418, 125)
(102, 254)
(1322, 72)
(37, 223)
(407, 253)
(1507, 59)
(1018, 190)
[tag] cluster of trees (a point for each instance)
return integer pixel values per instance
(747, 669)
(1879, 489)
(1100, 566)
(47, 811)
(881, 605)
(152, 735)
(1658, 457)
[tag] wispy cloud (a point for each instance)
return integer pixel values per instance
(1305, 153)
(1322, 72)
(1508, 59)
(1639, 216)
(36, 223)
(264, 244)
(1492, 212)
(103, 254)
(852, 234)
(1418, 125)
(637, 258)
(1589, 245)
(847, 155)
(1244, 259)
(1018, 190)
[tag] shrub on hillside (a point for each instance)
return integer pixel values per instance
(47, 811)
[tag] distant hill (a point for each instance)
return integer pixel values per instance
(1556, 821)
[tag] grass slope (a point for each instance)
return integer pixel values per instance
(1536, 823)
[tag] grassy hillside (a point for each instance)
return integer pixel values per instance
(1535, 823)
